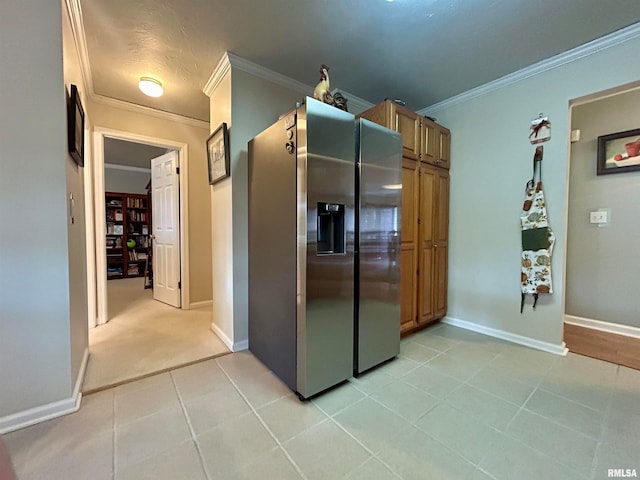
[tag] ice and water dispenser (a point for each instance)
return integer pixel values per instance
(331, 237)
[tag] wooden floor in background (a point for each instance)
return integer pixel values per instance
(610, 347)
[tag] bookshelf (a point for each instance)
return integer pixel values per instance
(127, 234)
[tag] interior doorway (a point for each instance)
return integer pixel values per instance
(106, 138)
(137, 335)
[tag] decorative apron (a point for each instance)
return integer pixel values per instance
(537, 237)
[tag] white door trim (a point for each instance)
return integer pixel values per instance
(98, 237)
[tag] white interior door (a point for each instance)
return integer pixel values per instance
(166, 231)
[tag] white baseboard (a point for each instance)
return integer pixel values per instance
(206, 303)
(231, 345)
(42, 413)
(222, 336)
(615, 328)
(241, 345)
(556, 349)
(77, 390)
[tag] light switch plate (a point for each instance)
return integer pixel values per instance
(575, 135)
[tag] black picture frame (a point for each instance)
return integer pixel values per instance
(619, 152)
(218, 155)
(75, 126)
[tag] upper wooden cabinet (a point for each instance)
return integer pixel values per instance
(400, 119)
(422, 139)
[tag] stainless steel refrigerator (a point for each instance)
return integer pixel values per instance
(301, 247)
(377, 245)
(316, 315)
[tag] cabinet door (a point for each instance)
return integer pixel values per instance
(428, 140)
(427, 223)
(441, 246)
(443, 148)
(407, 123)
(409, 244)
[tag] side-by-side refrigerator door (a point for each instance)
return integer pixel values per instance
(326, 146)
(379, 219)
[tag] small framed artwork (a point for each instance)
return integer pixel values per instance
(218, 155)
(75, 126)
(619, 152)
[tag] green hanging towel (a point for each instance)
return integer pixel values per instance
(537, 237)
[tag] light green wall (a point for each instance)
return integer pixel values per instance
(248, 105)
(603, 267)
(491, 162)
(255, 105)
(35, 364)
(76, 230)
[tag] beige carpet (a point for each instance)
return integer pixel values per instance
(144, 336)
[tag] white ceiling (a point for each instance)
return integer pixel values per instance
(421, 51)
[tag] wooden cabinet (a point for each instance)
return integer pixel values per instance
(433, 241)
(435, 143)
(409, 242)
(425, 212)
(422, 138)
(127, 234)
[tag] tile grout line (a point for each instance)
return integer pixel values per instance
(191, 429)
(366, 449)
(255, 412)
(523, 408)
(605, 421)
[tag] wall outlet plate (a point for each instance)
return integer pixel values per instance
(600, 217)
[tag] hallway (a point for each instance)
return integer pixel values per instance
(145, 336)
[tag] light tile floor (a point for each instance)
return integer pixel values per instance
(453, 405)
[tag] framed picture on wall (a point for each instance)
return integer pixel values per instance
(619, 152)
(75, 126)
(218, 155)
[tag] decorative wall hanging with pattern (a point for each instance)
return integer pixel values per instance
(537, 237)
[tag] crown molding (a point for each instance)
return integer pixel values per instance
(115, 166)
(620, 36)
(223, 67)
(229, 60)
(266, 74)
(151, 112)
(74, 10)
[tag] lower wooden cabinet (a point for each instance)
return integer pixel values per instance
(409, 243)
(425, 226)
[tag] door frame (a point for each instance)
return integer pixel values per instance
(97, 238)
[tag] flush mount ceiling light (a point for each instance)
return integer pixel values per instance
(150, 86)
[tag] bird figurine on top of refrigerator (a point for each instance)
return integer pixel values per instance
(322, 91)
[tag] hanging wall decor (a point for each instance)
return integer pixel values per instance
(619, 152)
(540, 130)
(75, 126)
(537, 237)
(218, 155)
